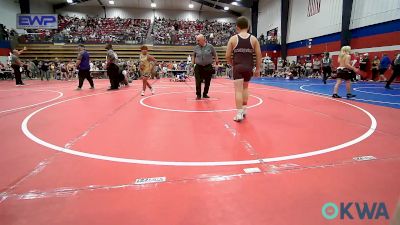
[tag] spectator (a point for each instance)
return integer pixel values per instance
(396, 71)
(364, 63)
(326, 67)
(375, 67)
(316, 67)
(383, 67)
(262, 39)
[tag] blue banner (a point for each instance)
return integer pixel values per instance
(37, 21)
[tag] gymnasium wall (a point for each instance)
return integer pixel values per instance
(8, 11)
(4, 50)
(375, 28)
(40, 6)
(269, 16)
(373, 24)
(81, 12)
(247, 14)
(327, 21)
(369, 12)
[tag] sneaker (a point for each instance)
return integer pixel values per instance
(142, 94)
(91, 88)
(336, 96)
(198, 98)
(244, 112)
(350, 95)
(206, 96)
(238, 117)
(152, 91)
(388, 87)
(78, 89)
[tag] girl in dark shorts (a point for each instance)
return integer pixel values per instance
(344, 72)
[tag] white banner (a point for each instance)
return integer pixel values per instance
(37, 21)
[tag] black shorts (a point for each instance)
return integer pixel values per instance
(242, 72)
(344, 74)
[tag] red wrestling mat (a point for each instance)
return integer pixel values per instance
(78, 157)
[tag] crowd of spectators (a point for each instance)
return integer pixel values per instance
(92, 30)
(183, 32)
(131, 31)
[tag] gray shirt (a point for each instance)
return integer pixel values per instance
(112, 56)
(14, 59)
(204, 55)
(326, 62)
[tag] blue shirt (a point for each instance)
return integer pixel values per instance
(85, 60)
(385, 63)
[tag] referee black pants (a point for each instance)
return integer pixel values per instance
(113, 75)
(326, 73)
(17, 74)
(203, 73)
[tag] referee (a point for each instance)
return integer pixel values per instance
(16, 65)
(203, 54)
(112, 68)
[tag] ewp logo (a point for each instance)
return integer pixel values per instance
(364, 211)
(37, 21)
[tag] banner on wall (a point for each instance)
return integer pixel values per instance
(37, 21)
(272, 35)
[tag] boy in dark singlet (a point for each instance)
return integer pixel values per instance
(243, 45)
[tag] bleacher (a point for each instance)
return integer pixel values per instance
(98, 52)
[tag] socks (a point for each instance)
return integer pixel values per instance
(244, 109)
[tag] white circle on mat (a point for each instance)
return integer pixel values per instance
(374, 93)
(260, 101)
(60, 94)
(302, 87)
(369, 132)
